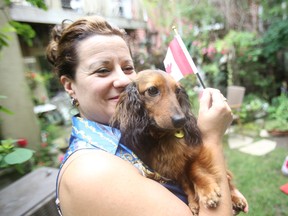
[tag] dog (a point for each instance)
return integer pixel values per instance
(155, 119)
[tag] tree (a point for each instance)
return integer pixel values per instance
(252, 37)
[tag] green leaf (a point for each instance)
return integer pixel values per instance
(20, 155)
(6, 29)
(6, 146)
(2, 162)
(38, 3)
(5, 110)
(3, 40)
(25, 31)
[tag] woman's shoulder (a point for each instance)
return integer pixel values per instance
(94, 165)
(96, 181)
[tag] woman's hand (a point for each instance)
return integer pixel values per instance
(215, 115)
(214, 118)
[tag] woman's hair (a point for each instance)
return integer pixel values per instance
(62, 49)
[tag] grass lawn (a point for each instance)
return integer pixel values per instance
(259, 179)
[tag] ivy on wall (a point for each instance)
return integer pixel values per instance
(23, 30)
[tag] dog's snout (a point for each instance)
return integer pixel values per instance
(178, 121)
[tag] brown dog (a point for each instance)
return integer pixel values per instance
(156, 122)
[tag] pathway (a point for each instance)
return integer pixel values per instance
(257, 147)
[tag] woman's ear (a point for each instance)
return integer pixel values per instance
(68, 85)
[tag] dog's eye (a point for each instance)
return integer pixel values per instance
(153, 91)
(177, 90)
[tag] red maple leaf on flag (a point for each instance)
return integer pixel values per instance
(169, 68)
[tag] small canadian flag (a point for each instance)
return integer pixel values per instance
(178, 62)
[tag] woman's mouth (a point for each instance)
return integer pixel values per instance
(116, 98)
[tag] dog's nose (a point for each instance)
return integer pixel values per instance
(178, 121)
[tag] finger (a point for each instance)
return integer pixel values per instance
(205, 100)
(217, 97)
(226, 103)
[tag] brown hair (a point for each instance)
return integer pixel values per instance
(62, 49)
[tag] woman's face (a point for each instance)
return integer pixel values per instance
(105, 68)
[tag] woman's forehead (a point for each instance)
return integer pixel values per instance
(102, 41)
(103, 47)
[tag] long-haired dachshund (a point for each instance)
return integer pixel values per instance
(156, 122)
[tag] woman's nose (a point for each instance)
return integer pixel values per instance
(122, 80)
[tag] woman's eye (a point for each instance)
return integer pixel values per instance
(153, 91)
(102, 71)
(128, 70)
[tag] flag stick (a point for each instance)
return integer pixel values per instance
(175, 30)
(200, 80)
(196, 70)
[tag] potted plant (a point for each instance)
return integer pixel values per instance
(277, 119)
(13, 154)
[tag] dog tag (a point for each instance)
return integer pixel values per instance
(179, 134)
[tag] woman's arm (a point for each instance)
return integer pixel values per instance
(214, 118)
(98, 183)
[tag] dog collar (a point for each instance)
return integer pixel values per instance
(179, 134)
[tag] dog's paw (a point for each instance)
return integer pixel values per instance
(194, 207)
(239, 203)
(211, 198)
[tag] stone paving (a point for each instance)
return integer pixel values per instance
(256, 146)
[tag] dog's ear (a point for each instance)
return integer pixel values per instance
(127, 106)
(183, 100)
(130, 116)
(191, 130)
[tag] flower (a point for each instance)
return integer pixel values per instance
(44, 144)
(22, 143)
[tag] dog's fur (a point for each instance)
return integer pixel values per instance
(149, 113)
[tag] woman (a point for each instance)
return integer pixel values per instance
(93, 62)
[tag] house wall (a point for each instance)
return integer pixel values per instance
(23, 123)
